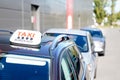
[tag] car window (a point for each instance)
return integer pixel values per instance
(81, 41)
(75, 58)
(96, 34)
(67, 69)
(52, 34)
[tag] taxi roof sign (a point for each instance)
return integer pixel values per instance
(26, 38)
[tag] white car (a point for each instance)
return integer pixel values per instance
(98, 39)
(85, 44)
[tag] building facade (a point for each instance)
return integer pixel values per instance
(43, 14)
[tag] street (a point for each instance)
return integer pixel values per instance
(109, 65)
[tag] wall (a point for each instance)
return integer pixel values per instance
(16, 14)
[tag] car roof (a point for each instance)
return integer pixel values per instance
(43, 51)
(67, 31)
(5, 36)
(90, 29)
(6, 31)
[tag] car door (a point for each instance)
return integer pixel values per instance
(76, 59)
(93, 54)
(67, 70)
(19, 67)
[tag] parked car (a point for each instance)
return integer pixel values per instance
(28, 57)
(98, 38)
(85, 44)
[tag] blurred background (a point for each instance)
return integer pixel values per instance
(42, 15)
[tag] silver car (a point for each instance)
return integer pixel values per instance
(85, 44)
(98, 39)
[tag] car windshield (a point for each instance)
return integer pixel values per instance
(96, 34)
(80, 40)
(16, 67)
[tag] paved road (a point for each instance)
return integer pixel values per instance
(109, 65)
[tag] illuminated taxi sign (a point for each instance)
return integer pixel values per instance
(26, 37)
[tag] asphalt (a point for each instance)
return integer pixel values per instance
(109, 65)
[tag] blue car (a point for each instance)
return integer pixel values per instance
(5, 36)
(85, 45)
(30, 57)
(98, 39)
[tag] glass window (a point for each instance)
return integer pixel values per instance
(74, 55)
(96, 34)
(52, 34)
(82, 43)
(67, 69)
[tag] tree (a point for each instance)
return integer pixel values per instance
(113, 16)
(118, 16)
(99, 10)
